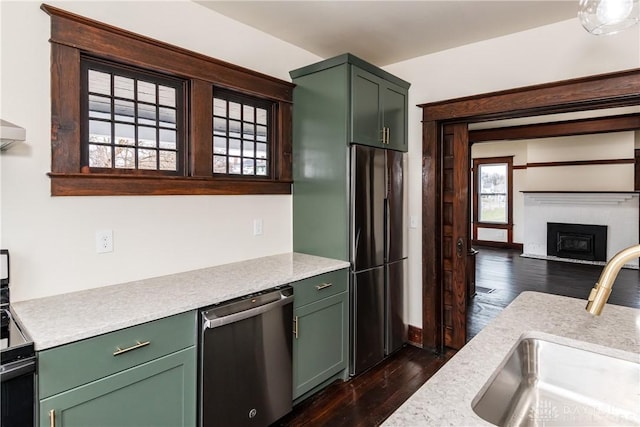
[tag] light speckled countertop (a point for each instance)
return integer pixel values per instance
(445, 400)
(65, 318)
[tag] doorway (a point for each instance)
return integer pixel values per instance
(446, 165)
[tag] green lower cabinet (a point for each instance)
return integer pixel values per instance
(158, 393)
(320, 350)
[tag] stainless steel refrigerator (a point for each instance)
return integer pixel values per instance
(378, 255)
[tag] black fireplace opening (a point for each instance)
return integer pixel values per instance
(577, 241)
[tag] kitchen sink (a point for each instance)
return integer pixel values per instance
(542, 383)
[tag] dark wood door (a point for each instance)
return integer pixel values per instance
(455, 233)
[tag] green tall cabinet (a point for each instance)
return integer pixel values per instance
(338, 102)
(140, 376)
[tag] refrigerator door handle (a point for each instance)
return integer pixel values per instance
(387, 226)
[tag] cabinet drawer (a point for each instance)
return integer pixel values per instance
(317, 287)
(71, 365)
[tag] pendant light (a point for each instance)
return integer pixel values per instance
(608, 16)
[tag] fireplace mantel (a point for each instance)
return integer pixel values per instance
(581, 197)
(618, 210)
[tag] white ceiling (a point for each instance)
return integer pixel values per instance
(386, 32)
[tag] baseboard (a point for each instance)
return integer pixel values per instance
(415, 336)
(502, 245)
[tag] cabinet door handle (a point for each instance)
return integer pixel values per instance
(383, 131)
(52, 418)
(324, 286)
(388, 135)
(295, 327)
(138, 345)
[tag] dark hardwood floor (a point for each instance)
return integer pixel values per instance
(501, 275)
(368, 399)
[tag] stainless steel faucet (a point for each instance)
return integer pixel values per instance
(601, 291)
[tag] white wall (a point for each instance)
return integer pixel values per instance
(545, 54)
(52, 239)
(614, 177)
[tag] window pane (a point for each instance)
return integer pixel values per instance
(125, 158)
(234, 147)
(124, 111)
(235, 165)
(146, 114)
(123, 87)
(219, 164)
(248, 167)
(146, 92)
(219, 107)
(261, 133)
(99, 82)
(219, 126)
(167, 117)
(168, 161)
(248, 112)
(125, 134)
(166, 96)
(234, 129)
(248, 149)
(219, 145)
(147, 159)
(234, 110)
(261, 150)
(168, 139)
(261, 167)
(147, 136)
(99, 156)
(99, 107)
(261, 116)
(248, 131)
(493, 178)
(492, 208)
(99, 132)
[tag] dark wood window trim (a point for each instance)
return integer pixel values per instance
(73, 35)
(508, 160)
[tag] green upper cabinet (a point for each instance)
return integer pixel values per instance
(378, 111)
(375, 101)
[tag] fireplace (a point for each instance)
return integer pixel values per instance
(577, 241)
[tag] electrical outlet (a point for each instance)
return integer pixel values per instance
(413, 221)
(257, 227)
(104, 241)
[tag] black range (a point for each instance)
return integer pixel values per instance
(18, 361)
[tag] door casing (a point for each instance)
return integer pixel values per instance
(618, 89)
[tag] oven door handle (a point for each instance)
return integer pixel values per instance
(16, 369)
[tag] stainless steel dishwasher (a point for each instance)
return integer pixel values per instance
(246, 360)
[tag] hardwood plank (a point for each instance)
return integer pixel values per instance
(509, 274)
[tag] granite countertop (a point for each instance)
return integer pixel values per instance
(65, 318)
(445, 400)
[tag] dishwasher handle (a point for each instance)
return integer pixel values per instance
(211, 320)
